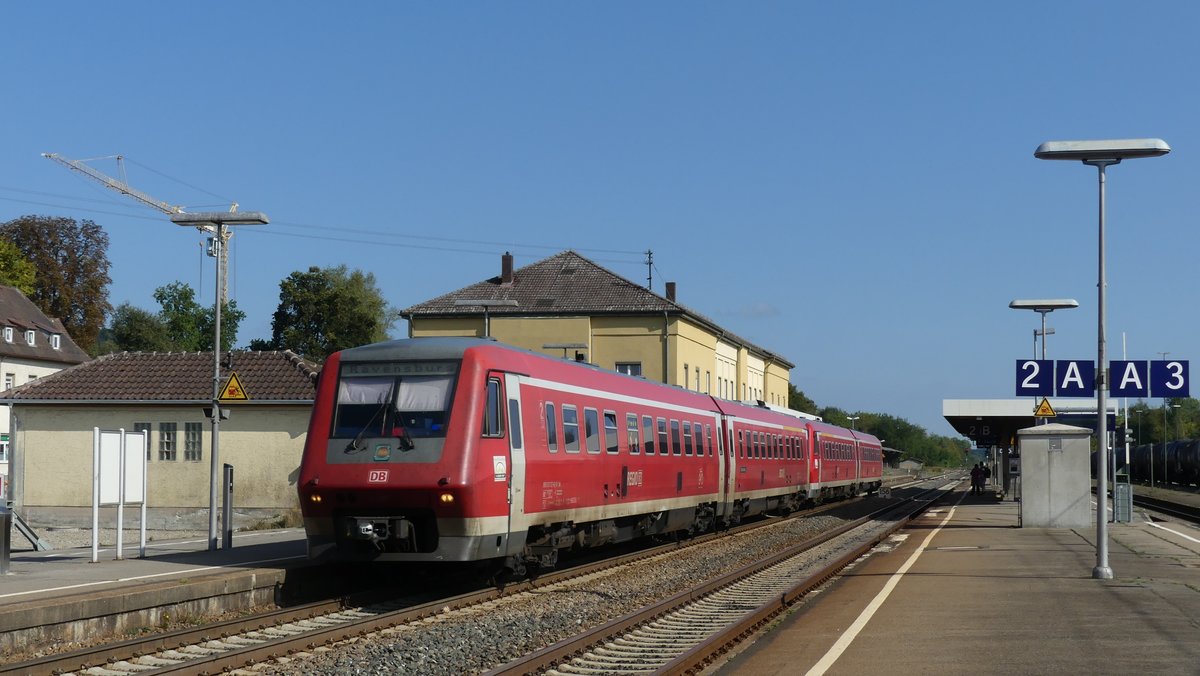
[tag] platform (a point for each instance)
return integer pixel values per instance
(964, 591)
(70, 597)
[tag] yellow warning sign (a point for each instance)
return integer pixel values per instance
(1044, 409)
(233, 390)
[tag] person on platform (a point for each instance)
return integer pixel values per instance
(976, 479)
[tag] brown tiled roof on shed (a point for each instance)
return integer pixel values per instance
(174, 376)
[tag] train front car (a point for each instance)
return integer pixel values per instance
(394, 464)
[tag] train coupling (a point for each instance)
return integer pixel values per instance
(390, 534)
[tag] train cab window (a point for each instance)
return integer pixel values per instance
(675, 445)
(591, 429)
(551, 428)
(493, 415)
(570, 428)
(400, 399)
(514, 424)
(687, 438)
(610, 432)
(648, 432)
(662, 437)
(631, 431)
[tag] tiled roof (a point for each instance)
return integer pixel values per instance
(567, 284)
(20, 313)
(174, 376)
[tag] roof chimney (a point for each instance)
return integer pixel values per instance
(506, 273)
(671, 291)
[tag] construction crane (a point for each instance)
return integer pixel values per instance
(124, 188)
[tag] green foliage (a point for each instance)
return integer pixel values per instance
(71, 260)
(798, 401)
(325, 310)
(136, 330)
(1173, 419)
(15, 268)
(182, 325)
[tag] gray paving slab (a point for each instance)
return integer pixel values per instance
(982, 596)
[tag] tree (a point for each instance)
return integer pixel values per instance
(136, 330)
(181, 324)
(798, 401)
(71, 260)
(15, 269)
(325, 310)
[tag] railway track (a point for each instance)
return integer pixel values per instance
(688, 631)
(234, 644)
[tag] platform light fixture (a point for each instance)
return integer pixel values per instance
(218, 221)
(1044, 307)
(1101, 154)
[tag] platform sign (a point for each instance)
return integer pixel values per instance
(1075, 378)
(1169, 379)
(1035, 378)
(1129, 378)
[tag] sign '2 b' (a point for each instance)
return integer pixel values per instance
(1077, 378)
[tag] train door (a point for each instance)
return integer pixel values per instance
(516, 467)
(726, 461)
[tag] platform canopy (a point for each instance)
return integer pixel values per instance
(994, 422)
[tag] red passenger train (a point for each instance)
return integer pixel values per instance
(462, 449)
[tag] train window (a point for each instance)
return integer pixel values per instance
(741, 445)
(610, 432)
(631, 430)
(570, 429)
(675, 447)
(662, 436)
(699, 440)
(591, 429)
(493, 416)
(551, 428)
(648, 432)
(708, 435)
(384, 400)
(514, 423)
(687, 438)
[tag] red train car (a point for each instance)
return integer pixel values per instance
(460, 449)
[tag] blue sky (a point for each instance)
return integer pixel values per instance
(851, 185)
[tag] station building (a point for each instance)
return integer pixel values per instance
(169, 395)
(32, 346)
(570, 307)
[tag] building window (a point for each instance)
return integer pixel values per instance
(630, 368)
(8, 334)
(56, 341)
(144, 427)
(192, 436)
(3, 448)
(31, 337)
(166, 441)
(10, 379)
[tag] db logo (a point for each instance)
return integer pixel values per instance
(377, 476)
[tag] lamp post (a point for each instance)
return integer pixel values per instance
(218, 221)
(1167, 465)
(485, 304)
(853, 419)
(1044, 307)
(1101, 154)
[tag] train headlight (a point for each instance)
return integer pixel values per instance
(314, 498)
(447, 498)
